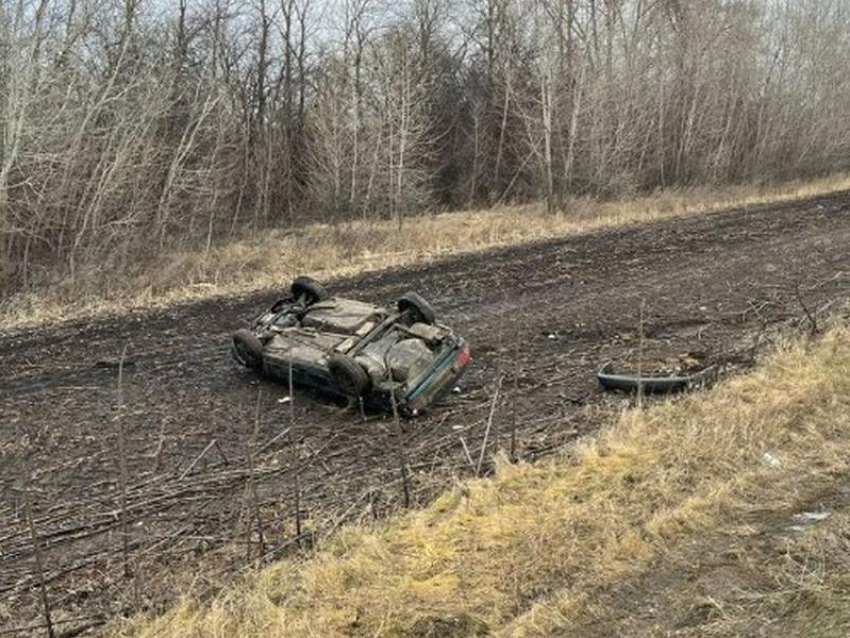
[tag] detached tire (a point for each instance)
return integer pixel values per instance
(348, 376)
(309, 288)
(416, 306)
(247, 350)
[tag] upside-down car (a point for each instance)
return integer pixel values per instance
(398, 358)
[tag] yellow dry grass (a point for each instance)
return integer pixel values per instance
(541, 550)
(328, 252)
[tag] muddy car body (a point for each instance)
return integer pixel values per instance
(354, 349)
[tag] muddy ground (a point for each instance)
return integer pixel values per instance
(212, 457)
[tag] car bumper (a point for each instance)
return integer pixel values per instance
(440, 380)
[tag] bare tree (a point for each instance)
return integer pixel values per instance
(199, 122)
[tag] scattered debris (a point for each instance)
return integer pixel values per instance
(656, 381)
(812, 517)
(804, 520)
(771, 460)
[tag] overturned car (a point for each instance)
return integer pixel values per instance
(355, 350)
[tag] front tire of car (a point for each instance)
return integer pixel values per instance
(247, 349)
(416, 306)
(348, 376)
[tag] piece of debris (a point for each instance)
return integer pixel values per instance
(284, 400)
(771, 460)
(456, 390)
(812, 517)
(675, 379)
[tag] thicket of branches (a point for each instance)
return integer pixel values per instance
(132, 127)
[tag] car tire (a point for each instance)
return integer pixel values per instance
(309, 288)
(247, 349)
(348, 376)
(413, 304)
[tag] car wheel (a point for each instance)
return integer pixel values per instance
(348, 376)
(247, 349)
(421, 311)
(311, 289)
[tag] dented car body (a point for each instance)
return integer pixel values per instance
(400, 358)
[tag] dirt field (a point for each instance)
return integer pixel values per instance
(541, 319)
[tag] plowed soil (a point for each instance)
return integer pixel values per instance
(219, 470)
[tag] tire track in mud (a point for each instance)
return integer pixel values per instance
(543, 315)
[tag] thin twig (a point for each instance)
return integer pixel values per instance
(402, 461)
(316, 456)
(812, 321)
(157, 455)
(515, 397)
(36, 546)
(489, 425)
(274, 440)
(372, 508)
(122, 459)
(252, 488)
(296, 478)
(197, 458)
(640, 356)
(514, 418)
(467, 454)
(221, 452)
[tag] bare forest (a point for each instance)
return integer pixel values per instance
(130, 128)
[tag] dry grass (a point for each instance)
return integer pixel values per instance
(562, 547)
(328, 252)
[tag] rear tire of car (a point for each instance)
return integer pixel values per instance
(348, 376)
(309, 288)
(415, 305)
(247, 349)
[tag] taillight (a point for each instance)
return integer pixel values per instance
(463, 358)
